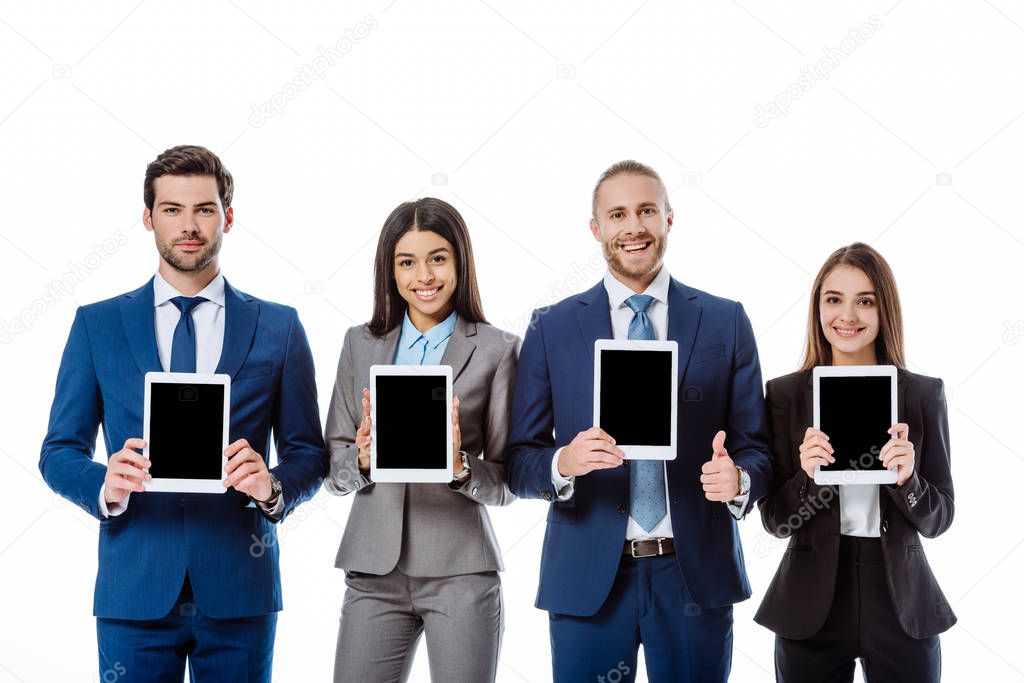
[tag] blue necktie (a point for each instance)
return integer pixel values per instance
(183, 347)
(646, 477)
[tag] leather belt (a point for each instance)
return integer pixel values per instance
(649, 547)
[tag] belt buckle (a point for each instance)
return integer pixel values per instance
(632, 548)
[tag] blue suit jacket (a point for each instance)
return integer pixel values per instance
(720, 388)
(227, 546)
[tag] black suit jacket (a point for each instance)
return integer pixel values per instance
(800, 596)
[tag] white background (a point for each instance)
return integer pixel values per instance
(913, 143)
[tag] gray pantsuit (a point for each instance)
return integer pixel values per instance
(423, 557)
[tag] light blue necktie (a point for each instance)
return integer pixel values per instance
(183, 345)
(646, 477)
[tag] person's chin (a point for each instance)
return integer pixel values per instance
(430, 308)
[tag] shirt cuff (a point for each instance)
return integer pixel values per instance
(738, 505)
(273, 511)
(564, 486)
(114, 509)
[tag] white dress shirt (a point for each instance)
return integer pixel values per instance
(208, 323)
(859, 513)
(621, 317)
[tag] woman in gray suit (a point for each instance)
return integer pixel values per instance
(423, 557)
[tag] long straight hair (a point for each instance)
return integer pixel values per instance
(426, 214)
(889, 342)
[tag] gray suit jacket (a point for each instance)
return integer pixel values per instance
(426, 530)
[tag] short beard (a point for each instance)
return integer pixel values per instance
(611, 255)
(189, 263)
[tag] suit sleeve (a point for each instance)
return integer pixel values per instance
(343, 416)
(302, 459)
(926, 499)
(487, 483)
(746, 430)
(531, 436)
(66, 458)
(790, 483)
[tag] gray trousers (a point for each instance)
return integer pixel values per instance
(383, 617)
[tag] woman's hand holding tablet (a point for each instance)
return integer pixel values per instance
(898, 452)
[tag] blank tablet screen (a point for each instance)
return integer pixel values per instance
(412, 422)
(636, 397)
(186, 430)
(855, 414)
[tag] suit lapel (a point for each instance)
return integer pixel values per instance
(240, 315)
(594, 317)
(383, 349)
(460, 347)
(683, 321)
(137, 317)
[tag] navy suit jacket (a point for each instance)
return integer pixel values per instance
(720, 388)
(228, 547)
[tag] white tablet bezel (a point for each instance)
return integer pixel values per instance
(170, 485)
(634, 451)
(850, 477)
(411, 475)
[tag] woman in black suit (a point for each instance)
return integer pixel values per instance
(854, 582)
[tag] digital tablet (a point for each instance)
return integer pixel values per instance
(411, 423)
(636, 389)
(855, 406)
(186, 419)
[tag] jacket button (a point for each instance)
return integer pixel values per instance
(885, 525)
(475, 489)
(622, 508)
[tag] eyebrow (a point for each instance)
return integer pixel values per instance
(167, 203)
(640, 206)
(832, 291)
(432, 251)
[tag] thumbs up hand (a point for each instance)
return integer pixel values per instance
(719, 475)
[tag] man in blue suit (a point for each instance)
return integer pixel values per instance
(178, 580)
(640, 551)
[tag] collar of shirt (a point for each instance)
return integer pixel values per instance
(163, 291)
(435, 336)
(618, 292)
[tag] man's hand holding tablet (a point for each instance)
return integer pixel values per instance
(127, 471)
(247, 471)
(593, 449)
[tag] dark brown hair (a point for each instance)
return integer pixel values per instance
(633, 168)
(426, 214)
(889, 342)
(188, 160)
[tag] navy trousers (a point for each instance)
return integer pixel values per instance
(214, 650)
(650, 605)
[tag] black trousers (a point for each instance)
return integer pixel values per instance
(861, 624)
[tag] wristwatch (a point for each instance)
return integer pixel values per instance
(744, 480)
(275, 492)
(463, 476)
